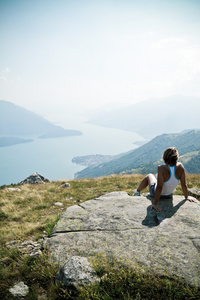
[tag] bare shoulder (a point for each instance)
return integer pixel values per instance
(180, 166)
(163, 173)
(180, 170)
(162, 168)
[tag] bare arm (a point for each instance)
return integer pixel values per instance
(184, 186)
(183, 183)
(160, 180)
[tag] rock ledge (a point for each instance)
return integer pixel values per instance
(119, 225)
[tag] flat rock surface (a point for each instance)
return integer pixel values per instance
(123, 226)
(194, 192)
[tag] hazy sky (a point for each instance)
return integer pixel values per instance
(62, 55)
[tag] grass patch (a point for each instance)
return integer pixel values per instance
(31, 213)
(121, 282)
(3, 216)
(49, 227)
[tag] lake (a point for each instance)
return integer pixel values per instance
(52, 158)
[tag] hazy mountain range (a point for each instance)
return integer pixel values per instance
(18, 125)
(146, 158)
(150, 118)
(154, 116)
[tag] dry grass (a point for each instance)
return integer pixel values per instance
(29, 211)
(32, 213)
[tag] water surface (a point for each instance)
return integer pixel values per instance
(52, 157)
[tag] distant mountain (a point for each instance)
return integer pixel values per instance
(16, 121)
(145, 158)
(9, 141)
(154, 116)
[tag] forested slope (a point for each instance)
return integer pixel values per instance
(145, 158)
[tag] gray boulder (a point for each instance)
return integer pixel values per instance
(194, 192)
(13, 190)
(19, 289)
(34, 179)
(65, 185)
(123, 226)
(76, 272)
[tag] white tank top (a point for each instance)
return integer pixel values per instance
(170, 185)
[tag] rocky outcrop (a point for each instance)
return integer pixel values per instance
(34, 179)
(123, 226)
(20, 289)
(76, 272)
(28, 247)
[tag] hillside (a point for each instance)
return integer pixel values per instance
(28, 214)
(93, 160)
(153, 116)
(145, 158)
(15, 121)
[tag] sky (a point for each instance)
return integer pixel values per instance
(74, 56)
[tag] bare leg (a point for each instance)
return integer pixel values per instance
(150, 178)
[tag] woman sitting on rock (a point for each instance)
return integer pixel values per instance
(167, 180)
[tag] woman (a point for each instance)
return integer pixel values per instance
(167, 180)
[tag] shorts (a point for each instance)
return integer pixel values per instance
(152, 188)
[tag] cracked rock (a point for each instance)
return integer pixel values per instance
(125, 227)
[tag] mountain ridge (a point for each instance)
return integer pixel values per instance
(145, 158)
(18, 122)
(154, 116)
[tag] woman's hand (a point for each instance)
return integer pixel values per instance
(192, 199)
(156, 207)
